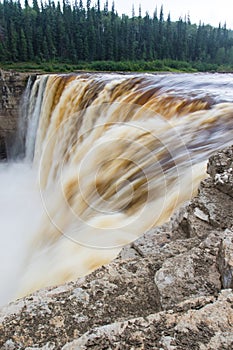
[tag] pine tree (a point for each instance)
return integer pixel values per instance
(74, 32)
(22, 49)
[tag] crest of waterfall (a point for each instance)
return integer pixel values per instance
(115, 155)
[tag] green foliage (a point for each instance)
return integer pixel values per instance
(94, 39)
(123, 66)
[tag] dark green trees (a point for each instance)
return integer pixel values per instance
(59, 31)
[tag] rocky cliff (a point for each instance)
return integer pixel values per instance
(169, 290)
(12, 86)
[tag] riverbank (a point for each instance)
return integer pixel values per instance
(166, 65)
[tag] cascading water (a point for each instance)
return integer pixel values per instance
(107, 158)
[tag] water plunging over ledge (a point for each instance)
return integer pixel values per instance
(107, 157)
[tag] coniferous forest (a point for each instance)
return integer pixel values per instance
(95, 37)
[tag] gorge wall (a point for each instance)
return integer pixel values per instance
(12, 86)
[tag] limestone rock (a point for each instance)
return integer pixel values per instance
(190, 274)
(225, 263)
(169, 290)
(220, 168)
(206, 325)
(12, 86)
(118, 291)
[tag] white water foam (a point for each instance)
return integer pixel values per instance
(67, 238)
(19, 201)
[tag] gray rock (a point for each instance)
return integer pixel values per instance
(121, 290)
(167, 290)
(225, 259)
(207, 324)
(12, 86)
(191, 274)
(220, 168)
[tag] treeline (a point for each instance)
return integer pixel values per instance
(85, 33)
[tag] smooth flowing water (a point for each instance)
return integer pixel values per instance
(107, 157)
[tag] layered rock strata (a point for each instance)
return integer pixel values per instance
(12, 86)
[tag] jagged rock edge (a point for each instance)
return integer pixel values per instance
(193, 232)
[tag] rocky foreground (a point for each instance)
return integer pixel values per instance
(169, 290)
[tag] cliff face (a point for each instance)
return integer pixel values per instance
(171, 289)
(12, 86)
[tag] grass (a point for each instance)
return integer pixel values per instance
(166, 65)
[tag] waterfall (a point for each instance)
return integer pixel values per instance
(113, 156)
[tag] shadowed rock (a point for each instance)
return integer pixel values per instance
(12, 86)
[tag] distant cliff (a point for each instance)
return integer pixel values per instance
(12, 85)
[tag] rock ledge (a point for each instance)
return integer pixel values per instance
(169, 290)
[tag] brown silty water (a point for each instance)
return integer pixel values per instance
(115, 155)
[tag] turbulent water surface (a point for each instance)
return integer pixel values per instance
(106, 157)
